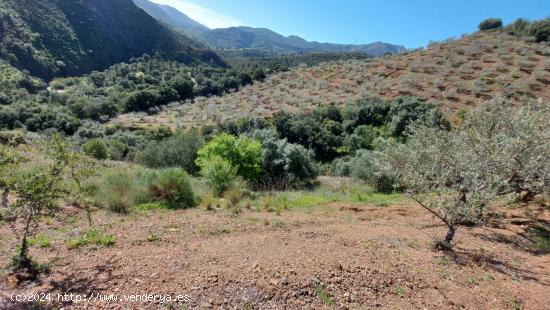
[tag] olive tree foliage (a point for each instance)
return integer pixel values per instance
(497, 150)
(38, 190)
(37, 193)
(8, 159)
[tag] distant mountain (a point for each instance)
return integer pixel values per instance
(170, 16)
(256, 38)
(261, 38)
(70, 37)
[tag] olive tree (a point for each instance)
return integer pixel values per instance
(456, 174)
(36, 194)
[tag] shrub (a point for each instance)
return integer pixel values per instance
(284, 165)
(143, 100)
(363, 166)
(172, 187)
(183, 86)
(180, 150)
(219, 174)
(405, 111)
(117, 149)
(319, 133)
(43, 118)
(89, 130)
(490, 23)
(118, 190)
(244, 154)
(95, 148)
(5, 99)
(12, 137)
(540, 29)
(366, 111)
(362, 138)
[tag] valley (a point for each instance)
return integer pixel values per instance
(148, 161)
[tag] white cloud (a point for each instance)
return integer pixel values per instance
(201, 14)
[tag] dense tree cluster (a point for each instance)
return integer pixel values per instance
(331, 132)
(143, 84)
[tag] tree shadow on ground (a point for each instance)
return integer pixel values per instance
(86, 280)
(76, 281)
(526, 230)
(483, 259)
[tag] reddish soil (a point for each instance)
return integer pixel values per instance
(342, 256)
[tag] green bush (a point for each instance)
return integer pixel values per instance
(490, 23)
(183, 86)
(322, 133)
(118, 190)
(538, 29)
(218, 174)
(366, 111)
(90, 130)
(95, 148)
(242, 153)
(284, 165)
(12, 137)
(117, 149)
(406, 111)
(172, 187)
(180, 150)
(362, 138)
(363, 167)
(143, 100)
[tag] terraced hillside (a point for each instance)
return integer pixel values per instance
(455, 74)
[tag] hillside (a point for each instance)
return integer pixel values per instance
(71, 37)
(170, 16)
(455, 75)
(256, 38)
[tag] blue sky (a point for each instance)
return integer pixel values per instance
(411, 23)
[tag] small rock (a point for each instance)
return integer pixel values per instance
(284, 281)
(315, 282)
(347, 297)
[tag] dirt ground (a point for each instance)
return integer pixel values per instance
(342, 256)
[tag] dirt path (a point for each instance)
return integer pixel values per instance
(342, 256)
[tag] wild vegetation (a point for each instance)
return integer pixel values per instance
(372, 184)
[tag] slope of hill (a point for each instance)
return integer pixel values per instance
(256, 38)
(454, 74)
(170, 16)
(71, 37)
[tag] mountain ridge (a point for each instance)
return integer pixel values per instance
(244, 37)
(169, 15)
(71, 37)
